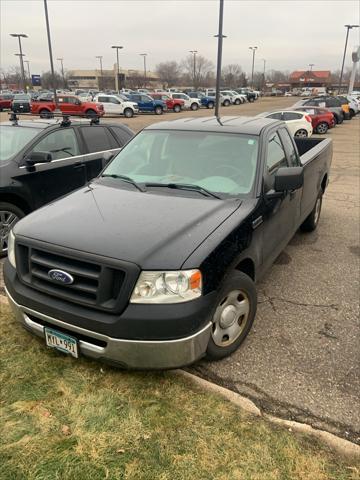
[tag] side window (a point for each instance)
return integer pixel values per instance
(291, 116)
(70, 100)
(277, 116)
(121, 135)
(289, 148)
(97, 138)
(103, 99)
(145, 98)
(136, 98)
(276, 157)
(114, 100)
(61, 144)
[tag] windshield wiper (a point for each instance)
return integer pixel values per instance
(184, 186)
(125, 179)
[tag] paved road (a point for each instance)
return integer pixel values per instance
(301, 360)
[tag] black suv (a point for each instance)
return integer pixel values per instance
(41, 160)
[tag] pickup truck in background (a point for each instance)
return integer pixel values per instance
(205, 100)
(115, 105)
(41, 160)
(68, 104)
(6, 101)
(175, 104)
(153, 264)
(147, 104)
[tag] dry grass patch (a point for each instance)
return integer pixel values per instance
(78, 420)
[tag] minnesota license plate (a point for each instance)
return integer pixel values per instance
(61, 342)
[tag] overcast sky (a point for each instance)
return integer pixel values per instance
(289, 34)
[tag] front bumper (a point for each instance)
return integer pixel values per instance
(135, 354)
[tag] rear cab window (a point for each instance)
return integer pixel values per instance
(97, 139)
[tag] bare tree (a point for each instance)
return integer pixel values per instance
(47, 80)
(199, 72)
(275, 76)
(12, 76)
(169, 73)
(231, 75)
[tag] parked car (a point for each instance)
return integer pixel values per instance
(45, 97)
(85, 97)
(21, 103)
(189, 102)
(337, 101)
(225, 100)
(6, 101)
(250, 95)
(324, 102)
(41, 160)
(175, 104)
(142, 90)
(69, 104)
(352, 103)
(321, 118)
(287, 94)
(205, 100)
(147, 104)
(114, 105)
(156, 265)
(236, 98)
(298, 123)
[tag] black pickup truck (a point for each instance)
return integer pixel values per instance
(154, 263)
(41, 160)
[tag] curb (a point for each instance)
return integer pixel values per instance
(340, 445)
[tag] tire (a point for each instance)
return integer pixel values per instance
(177, 108)
(301, 133)
(210, 105)
(236, 302)
(226, 103)
(352, 113)
(9, 215)
(322, 128)
(194, 107)
(251, 99)
(158, 111)
(311, 222)
(44, 113)
(128, 113)
(237, 101)
(91, 113)
(338, 120)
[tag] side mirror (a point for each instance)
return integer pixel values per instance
(38, 157)
(289, 178)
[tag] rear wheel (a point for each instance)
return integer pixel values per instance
(322, 128)
(312, 220)
(9, 216)
(177, 108)
(91, 113)
(194, 106)
(301, 133)
(210, 105)
(226, 103)
(237, 101)
(128, 113)
(233, 316)
(44, 113)
(158, 111)
(352, 112)
(251, 99)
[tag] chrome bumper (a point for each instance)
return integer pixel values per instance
(138, 354)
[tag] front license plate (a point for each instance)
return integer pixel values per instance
(61, 342)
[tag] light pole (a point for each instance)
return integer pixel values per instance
(144, 55)
(194, 52)
(309, 71)
(253, 63)
(348, 27)
(28, 69)
(264, 73)
(118, 47)
(61, 60)
(19, 36)
(220, 37)
(21, 55)
(100, 57)
(50, 54)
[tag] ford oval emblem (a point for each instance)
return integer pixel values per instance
(61, 277)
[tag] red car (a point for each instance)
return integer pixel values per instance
(6, 101)
(175, 104)
(69, 104)
(321, 118)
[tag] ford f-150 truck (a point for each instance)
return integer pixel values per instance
(153, 264)
(69, 105)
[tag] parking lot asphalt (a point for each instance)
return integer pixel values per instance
(301, 360)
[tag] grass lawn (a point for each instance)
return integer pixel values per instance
(80, 420)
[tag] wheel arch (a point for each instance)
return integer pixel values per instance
(17, 201)
(247, 266)
(324, 182)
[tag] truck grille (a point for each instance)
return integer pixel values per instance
(95, 284)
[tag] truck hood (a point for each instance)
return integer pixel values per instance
(154, 229)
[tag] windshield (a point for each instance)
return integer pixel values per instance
(13, 139)
(219, 162)
(22, 97)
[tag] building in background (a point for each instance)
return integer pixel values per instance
(310, 79)
(106, 80)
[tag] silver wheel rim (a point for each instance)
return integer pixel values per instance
(128, 113)
(322, 128)
(7, 221)
(230, 318)
(301, 133)
(317, 210)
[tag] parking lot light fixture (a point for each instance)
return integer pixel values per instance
(57, 110)
(118, 47)
(100, 83)
(220, 37)
(19, 36)
(144, 55)
(264, 61)
(253, 63)
(348, 27)
(61, 60)
(194, 52)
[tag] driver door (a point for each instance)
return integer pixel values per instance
(65, 173)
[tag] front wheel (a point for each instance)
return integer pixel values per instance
(44, 113)
(233, 316)
(301, 133)
(158, 111)
(194, 106)
(226, 103)
(9, 215)
(177, 108)
(311, 222)
(322, 128)
(237, 101)
(128, 113)
(91, 114)
(210, 105)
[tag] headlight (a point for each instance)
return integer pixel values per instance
(167, 287)
(11, 249)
